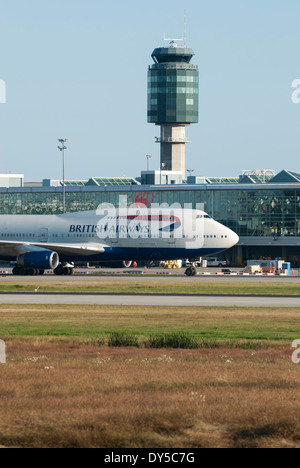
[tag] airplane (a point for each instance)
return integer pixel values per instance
(54, 242)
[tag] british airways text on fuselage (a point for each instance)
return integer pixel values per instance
(83, 228)
(108, 229)
(128, 225)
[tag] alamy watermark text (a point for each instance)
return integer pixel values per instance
(2, 352)
(2, 92)
(296, 353)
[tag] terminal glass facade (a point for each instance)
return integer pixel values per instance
(259, 213)
(249, 212)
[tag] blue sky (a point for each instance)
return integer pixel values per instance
(77, 69)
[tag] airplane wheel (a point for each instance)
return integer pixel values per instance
(67, 271)
(191, 271)
(18, 271)
(31, 272)
(62, 270)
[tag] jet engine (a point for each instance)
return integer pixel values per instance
(42, 260)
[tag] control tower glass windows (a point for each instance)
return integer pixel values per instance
(173, 95)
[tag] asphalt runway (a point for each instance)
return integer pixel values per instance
(151, 275)
(144, 300)
(150, 300)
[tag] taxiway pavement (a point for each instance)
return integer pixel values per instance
(150, 300)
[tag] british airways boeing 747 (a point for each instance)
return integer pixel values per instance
(41, 242)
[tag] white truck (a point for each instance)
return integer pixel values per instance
(215, 262)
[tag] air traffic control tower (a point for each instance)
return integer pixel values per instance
(173, 97)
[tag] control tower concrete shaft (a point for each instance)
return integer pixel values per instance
(173, 97)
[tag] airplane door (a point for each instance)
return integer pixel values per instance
(44, 235)
(171, 240)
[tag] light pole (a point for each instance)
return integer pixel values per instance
(62, 149)
(148, 156)
(190, 171)
(162, 167)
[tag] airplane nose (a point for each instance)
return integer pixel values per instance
(234, 238)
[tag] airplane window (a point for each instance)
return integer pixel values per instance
(206, 216)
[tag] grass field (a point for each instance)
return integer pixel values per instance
(154, 286)
(269, 326)
(63, 386)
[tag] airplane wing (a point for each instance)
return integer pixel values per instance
(14, 248)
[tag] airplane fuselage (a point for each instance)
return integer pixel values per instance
(114, 235)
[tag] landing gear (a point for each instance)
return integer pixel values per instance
(191, 270)
(21, 271)
(64, 269)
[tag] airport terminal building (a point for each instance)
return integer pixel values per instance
(261, 207)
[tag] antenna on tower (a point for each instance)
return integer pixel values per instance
(185, 39)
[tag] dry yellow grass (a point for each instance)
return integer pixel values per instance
(61, 394)
(59, 389)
